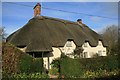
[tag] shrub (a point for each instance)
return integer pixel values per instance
(70, 68)
(37, 65)
(56, 63)
(93, 66)
(32, 75)
(25, 63)
(10, 58)
(53, 71)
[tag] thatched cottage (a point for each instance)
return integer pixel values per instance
(49, 37)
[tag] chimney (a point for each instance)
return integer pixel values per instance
(37, 10)
(79, 21)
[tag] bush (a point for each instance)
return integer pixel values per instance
(25, 76)
(54, 71)
(70, 68)
(10, 58)
(77, 67)
(104, 63)
(100, 73)
(56, 63)
(33, 75)
(37, 65)
(25, 63)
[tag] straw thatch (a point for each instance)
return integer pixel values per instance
(41, 33)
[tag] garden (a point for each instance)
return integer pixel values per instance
(19, 65)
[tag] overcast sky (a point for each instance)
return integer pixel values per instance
(16, 16)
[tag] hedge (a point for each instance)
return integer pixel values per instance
(77, 67)
(15, 61)
(31, 65)
(104, 63)
(10, 58)
(25, 63)
(70, 68)
(37, 65)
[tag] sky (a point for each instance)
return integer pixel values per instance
(15, 16)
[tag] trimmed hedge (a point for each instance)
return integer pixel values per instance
(105, 63)
(25, 63)
(10, 58)
(16, 61)
(30, 65)
(72, 68)
(37, 65)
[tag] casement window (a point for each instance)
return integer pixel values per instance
(69, 44)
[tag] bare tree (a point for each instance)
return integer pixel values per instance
(111, 36)
(3, 34)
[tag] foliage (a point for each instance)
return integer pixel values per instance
(53, 71)
(16, 61)
(63, 55)
(77, 67)
(78, 51)
(110, 34)
(100, 73)
(37, 65)
(25, 63)
(33, 75)
(70, 68)
(26, 76)
(10, 58)
(56, 63)
(104, 63)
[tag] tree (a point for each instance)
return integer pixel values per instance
(78, 51)
(110, 34)
(3, 34)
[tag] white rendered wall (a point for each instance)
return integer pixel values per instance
(94, 50)
(56, 54)
(68, 50)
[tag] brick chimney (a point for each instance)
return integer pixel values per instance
(37, 10)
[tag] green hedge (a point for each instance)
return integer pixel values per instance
(25, 63)
(25, 76)
(77, 67)
(37, 65)
(70, 68)
(30, 65)
(104, 63)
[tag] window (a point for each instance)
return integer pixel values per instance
(85, 44)
(69, 44)
(99, 53)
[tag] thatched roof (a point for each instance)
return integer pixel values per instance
(41, 33)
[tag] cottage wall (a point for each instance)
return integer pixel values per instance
(56, 54)
(89, 51)
(69, 48)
